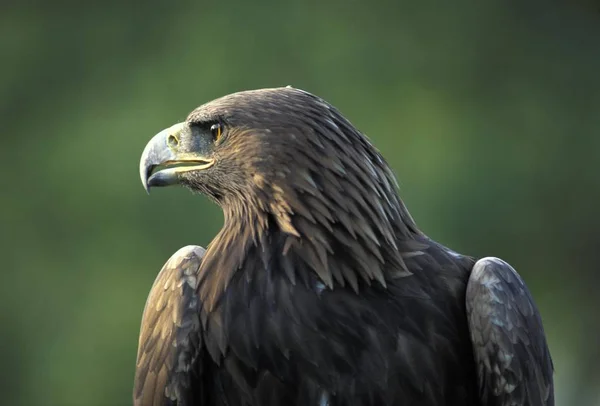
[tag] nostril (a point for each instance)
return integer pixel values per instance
(172, 141)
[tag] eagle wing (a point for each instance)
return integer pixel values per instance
(514, 366)
(170, 337)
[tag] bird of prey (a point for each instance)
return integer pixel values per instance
(320, 289)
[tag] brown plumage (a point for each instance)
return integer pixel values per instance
(320, 289)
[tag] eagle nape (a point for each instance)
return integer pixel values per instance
(320, 289)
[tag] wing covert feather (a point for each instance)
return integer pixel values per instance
(170, 338)
(514, 366)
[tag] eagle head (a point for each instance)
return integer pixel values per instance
(286, 159)
(243, 145)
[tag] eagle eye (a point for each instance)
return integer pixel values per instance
(216, 131)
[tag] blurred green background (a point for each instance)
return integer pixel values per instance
(489, 112)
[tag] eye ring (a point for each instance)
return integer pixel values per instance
(216, 130)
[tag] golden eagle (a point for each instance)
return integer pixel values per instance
(320, 289)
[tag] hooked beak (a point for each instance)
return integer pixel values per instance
(165, 153)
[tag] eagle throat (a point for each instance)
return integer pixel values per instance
(299, 236)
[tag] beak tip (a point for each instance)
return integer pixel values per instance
(146, 180)
(145, 184)
(145, 171)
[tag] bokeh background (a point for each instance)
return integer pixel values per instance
(489, 112)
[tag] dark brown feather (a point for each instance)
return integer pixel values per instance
(513, 361)
(319, 290)
(170, 339)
